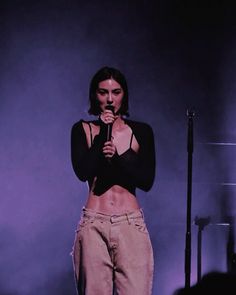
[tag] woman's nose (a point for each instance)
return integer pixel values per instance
(109, 98)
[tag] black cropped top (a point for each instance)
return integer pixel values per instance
(128, 170)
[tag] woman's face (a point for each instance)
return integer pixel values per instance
(110, 92)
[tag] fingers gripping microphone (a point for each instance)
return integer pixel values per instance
(109, 126)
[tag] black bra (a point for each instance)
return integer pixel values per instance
(91, 136)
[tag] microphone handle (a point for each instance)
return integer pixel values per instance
(109, 132)
(109, 126)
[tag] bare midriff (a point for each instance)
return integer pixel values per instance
(116, 200)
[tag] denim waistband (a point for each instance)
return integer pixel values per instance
(114, 217)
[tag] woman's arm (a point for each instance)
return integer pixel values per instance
(85, 160)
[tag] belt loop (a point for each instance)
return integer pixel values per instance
(141, 210)
(128, 219)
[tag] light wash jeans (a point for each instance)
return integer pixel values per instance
(113, 250)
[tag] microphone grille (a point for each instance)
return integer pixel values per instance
(109, 107)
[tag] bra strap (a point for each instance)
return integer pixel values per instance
(131, 139)
(91, 136)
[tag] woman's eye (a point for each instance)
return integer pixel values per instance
(101, 92)
(117, 92)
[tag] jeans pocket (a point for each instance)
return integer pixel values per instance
(83, 223)
(140, 225)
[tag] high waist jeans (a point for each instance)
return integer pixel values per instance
(113, 250)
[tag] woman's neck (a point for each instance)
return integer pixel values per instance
(118, 123)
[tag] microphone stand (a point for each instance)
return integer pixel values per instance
(190, 114)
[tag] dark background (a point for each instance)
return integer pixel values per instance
(175, 55)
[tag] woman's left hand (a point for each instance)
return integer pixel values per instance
(109, 149)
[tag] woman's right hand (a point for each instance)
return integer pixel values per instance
(108, 117)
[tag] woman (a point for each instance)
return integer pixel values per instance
(115, 156)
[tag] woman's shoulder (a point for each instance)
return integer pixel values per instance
(82, 122)
(138, 125)
(142, 131)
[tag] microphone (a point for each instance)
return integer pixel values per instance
(109, 126)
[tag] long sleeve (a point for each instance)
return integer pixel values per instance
(85, 160)
(139, 168)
